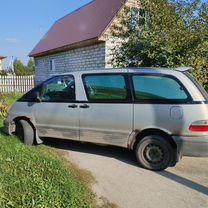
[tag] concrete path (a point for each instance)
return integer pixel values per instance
(121, 181)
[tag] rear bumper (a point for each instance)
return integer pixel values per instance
(192, 146)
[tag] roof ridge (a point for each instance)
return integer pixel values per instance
(76, 10)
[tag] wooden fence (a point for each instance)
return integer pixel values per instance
(20, 84)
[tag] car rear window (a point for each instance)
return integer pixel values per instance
(158, 88)
(196, 83)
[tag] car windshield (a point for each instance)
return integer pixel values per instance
(196, 83)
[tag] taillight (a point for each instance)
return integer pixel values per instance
(199, 126)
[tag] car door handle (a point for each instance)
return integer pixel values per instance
(72, 106)
(84, 106)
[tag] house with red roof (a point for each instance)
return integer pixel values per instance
(79, 41)
(1, 62)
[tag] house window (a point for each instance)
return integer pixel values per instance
(52, 65)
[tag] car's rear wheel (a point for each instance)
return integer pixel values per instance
(154, 152)
(25, 132)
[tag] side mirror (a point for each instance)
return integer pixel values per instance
(36, 96)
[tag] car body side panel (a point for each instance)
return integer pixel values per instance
(156, 116)
(160, 116)
(56, 120)
(106, 123)
(21, 109)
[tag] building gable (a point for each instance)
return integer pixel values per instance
(84, 25)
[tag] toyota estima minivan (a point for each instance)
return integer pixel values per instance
(161, 114)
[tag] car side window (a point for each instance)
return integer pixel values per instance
(106, 87)
(59, 89)
(158, 88)
(30, 96)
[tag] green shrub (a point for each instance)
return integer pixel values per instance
(3, 108)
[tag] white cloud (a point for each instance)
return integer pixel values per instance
(11, 40)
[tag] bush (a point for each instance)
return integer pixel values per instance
(3, 108)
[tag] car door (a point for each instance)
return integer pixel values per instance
(107, 115)
(57, 114)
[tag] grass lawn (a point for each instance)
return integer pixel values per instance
(35, 177)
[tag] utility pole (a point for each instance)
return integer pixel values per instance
(11, 64)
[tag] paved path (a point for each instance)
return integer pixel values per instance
(121, 181)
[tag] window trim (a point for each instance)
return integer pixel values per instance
(58, 101)
(189, 99)
(23, 99)
(128, 89)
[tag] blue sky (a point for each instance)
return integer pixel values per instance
(24, 22)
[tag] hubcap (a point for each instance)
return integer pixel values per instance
(153, 154)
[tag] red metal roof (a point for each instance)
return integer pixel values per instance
(2, 57)
(86, 23)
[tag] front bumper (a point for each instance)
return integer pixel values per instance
(196, 146)
(8, 127)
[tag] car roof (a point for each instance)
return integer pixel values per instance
(151, 70)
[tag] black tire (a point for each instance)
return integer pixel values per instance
(25, 132)
(153, 152)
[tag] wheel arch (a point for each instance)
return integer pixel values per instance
(136, 136)
(36, 137)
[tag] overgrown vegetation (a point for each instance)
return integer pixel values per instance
(164, 33)
(35, 177)
(5, 102)
(20, 69)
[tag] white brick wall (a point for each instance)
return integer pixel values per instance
(86, 58)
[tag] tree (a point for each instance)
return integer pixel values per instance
(164, 33)
(21, 70)
(31, 66)
(3, 73)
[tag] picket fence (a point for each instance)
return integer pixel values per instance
(19, 84)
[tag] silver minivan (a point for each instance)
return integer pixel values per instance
(161, 114)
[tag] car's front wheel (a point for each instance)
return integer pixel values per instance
(154, 152)
(25, 132)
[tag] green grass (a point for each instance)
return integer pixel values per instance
(36, 177)
(9, 98)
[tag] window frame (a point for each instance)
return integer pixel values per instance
(128, 88)
(189, 99)
(198, 85)
(40, 89)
